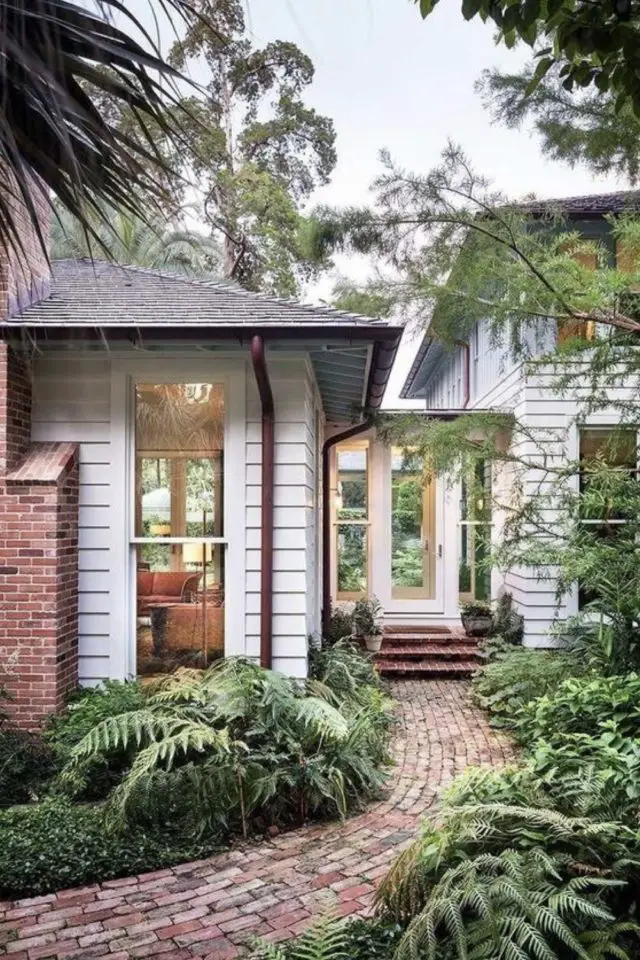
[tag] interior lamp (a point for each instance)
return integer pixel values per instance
(196, 552)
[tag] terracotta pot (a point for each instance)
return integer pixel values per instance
(476, 625)
(374, 643)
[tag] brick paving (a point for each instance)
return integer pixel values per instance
(272, 888)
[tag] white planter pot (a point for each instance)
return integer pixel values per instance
(373, 644)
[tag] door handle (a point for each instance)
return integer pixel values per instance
(440, 551)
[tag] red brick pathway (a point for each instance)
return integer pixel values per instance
(269, 889)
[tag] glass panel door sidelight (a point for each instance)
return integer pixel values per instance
(413, 533)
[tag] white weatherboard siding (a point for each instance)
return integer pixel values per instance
(295, 578)
(549, 432)
(551, 419)
(82, 397)
(71, 397)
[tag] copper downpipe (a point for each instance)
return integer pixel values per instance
(258, 358)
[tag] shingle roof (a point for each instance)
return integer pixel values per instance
(593, 204)
(85, 293)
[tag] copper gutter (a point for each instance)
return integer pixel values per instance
(326, 513)
(259, 360)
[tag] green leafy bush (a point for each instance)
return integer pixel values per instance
(238, 744)
(89, 707)
(515, 676)
(55, 844)
(588, 705)
(331, 938)
(529, 881)
(95, 778)
(26, 764)
(340, 626)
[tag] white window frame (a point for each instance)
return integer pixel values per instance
(230, 372)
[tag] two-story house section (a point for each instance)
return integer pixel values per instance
(421, 545)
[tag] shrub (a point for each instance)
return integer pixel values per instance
(55, 844)
(236, 743)
(340, 626)
(26, 763)
(95, 778)
(515, 676)
(330, 938)
(343, 668)
(507, 622)
(502, 879)
(588, 705)
(89, 707)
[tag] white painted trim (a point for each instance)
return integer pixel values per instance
(126, 370)
(380, 577)
(120, 578)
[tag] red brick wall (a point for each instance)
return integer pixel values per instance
(38, 555)
(39, 584)
(15, 408)
(24, 269)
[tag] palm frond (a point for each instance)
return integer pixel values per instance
(53, 137)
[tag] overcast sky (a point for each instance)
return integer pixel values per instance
(389, 79)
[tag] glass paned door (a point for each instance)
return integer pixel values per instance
(413, 547)
(179, 524)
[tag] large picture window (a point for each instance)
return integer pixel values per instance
(351, 521)
(179, 524)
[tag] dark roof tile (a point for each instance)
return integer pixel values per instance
(87, 293)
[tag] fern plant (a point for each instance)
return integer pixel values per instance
(326, 939)
(513, 905)
(237, 742)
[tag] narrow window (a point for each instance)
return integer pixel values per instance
(351, 521)
(179, 451)
(474, 545)
(413, 532)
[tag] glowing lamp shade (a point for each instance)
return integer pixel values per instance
(193, 552)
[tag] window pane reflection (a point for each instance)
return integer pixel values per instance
(352, 485)
(352, 559)
(179, 459)
(179, 606)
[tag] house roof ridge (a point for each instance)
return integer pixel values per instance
(230, 286)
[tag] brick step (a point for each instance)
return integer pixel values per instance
(439, 639)
(438, 668)
(428, 651)
(420, 628)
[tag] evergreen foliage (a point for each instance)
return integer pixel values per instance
(576, 127)
(53, 52)
(128, 239)
(589, 44)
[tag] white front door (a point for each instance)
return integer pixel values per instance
(409, 559)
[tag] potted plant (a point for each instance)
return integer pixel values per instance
(476, 618)
(367, 623)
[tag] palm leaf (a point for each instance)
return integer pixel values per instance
(53, 137)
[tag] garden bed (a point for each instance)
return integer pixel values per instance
(138, 778)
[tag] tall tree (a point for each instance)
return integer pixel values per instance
(50, 125)
(580, 126)
(590, 42)
(257, 150)
(131, 240)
